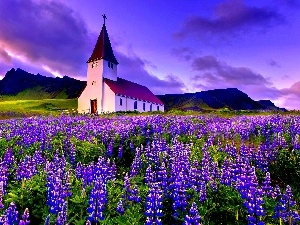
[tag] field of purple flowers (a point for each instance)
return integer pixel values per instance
(150, 170)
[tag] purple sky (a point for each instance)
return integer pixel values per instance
(169, 46)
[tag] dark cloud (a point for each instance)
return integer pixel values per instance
(185, 53)
(219, 72)
(273, 63)
(45, 33)
(212, 74)
(134, 69)
(232, 17)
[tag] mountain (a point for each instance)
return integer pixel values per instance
(230, 98)
(20, 84)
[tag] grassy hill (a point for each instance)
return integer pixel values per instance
(21, 85)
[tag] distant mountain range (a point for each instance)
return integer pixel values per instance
(230, 98)
(19, 84)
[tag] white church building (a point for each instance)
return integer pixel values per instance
(105, 91)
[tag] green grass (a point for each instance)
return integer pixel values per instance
(37, 107)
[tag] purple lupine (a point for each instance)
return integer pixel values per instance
(226, 172)
(72, 154)
(1, 195)
(120, 208)
(97, 201)
(266, 186)
(285, 207)
(178, 195)
(11, 215)
(8, 158)
(62, 215)
(47, 220)
(110, 148)
(153, 207)
(134, 195)
(193, 218)
(25, 218)
(58, 184)
(3, 175)
(120, 152)
(149, 175)
(252, 195)
(38, 158)
(136, 164)
(202, 191)
(26, 169)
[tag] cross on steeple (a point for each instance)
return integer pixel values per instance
(104, 17)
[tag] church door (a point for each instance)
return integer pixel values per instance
(94, 106)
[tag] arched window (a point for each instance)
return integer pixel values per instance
(135, 105)
(158, 108)
(144, 106)
(121, 101)
(151, 108)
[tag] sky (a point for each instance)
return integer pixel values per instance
(170, 46)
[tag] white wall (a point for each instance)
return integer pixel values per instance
(83, 104)
(108, 72)
(94, 88)
(109, 99)
(128, 105)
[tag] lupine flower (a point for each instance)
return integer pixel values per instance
(1, 195)
(266, 186)
(136, 164)
(120, 208)
(133, 196)
(285, 207)
(62, 215)
(25, 218)
(26, 169)
(153, 208)
(120, 152)
(47, 220)
(193, 218)
(97, 201)
(11, 214)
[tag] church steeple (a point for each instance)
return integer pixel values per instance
(103, 49)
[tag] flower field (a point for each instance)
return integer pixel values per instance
(154, 169)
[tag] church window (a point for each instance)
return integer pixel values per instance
(121, 101)
(112, 65)
(151, 108)
(135, 105)
(144, 106)
(109, 64)
(158, 108)
(94, 64)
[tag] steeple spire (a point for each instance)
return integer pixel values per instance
(103, 49)
(104, 17)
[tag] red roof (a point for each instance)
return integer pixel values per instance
(131, 89)
(103, 49)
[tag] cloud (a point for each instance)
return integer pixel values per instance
(44, 33)
(4, 57)
(213, 73)
(185, 53)
(231, 17)
(220, 72)
(273, 63)
(134, 69)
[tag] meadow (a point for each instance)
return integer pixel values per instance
(150, 169)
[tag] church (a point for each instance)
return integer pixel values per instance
(105, 91)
